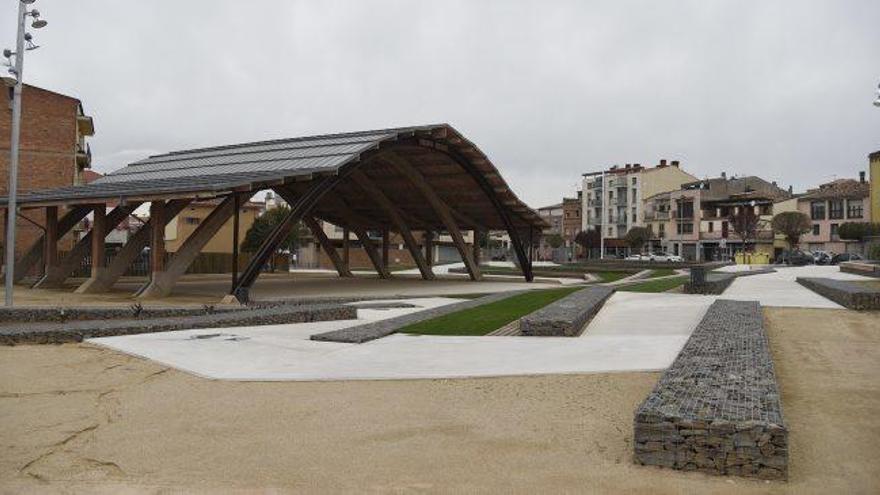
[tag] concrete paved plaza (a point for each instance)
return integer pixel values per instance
(780, 289)
(633, 332)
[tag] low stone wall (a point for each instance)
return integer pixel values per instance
(717, 282)
(864, 268)
(717, 408)
(383, 328)
(61, 315)
(75, 331)
(847, 294)
(567, 316)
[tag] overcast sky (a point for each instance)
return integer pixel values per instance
(547, 89)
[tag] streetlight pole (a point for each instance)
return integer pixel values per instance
(601, 217)
(18, 71)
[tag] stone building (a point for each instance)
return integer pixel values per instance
(53, 152)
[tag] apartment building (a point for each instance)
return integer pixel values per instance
(53, 152)
(693, 222)
(612, 200)
(553, 215)
(874, 168)
(831, 204)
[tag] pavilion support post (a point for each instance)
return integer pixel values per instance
(386, 244)
(385, 203)
(441, 209)
(132, 249)
(346, 247)
(34, 254)
(341, 266)
(50, 249)
(163, 280)
(429, 247)
(99, 233)
(373, 253)
(80, 251)
(476, 246)
(157, 239)
(235, 241)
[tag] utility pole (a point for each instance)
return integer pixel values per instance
(23, 43)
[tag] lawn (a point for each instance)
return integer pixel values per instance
(611, 276)
(871, 284)
(661, 285)
(488, 317)
(661, 272)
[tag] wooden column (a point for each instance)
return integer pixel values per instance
(346, 247)
(235, 222)
(476, 247)
(442, 210)
(429, 247)
(386, 241)
(50, 250)
(99, 233)
(326, 244)
(386, 204)
(157, 237)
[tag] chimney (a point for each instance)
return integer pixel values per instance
(663, 162)
(724, 175)
(675, 163)
(774, 183)
(862, 176)
(628, 166)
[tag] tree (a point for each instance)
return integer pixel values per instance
(858, 231)
(264, 225)
(554, 240)
(589, 239)
(791, 224)
(745, 223)
(637, 237)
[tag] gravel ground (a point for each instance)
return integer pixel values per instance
(77, 418)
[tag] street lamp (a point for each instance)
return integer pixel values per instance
(14, 78)
(877, 100)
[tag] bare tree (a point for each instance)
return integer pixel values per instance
(745, 224)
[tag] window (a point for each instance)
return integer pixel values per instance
(610, 231)
(815, 229)
(686, 209)
(764, 209)
(711, 226)
(685, 228)
(834, 227)
(662, 229)
(835, 209)
(854, 208)
(634, 181)
(817, 210)
(634, 190)
(191, 220)
(634, 212)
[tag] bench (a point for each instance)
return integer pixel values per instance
(567, 316)
(717, 408)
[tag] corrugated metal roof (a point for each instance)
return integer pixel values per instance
(224, 168)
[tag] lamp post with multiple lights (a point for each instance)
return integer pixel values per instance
(877, 100)
(15, 78)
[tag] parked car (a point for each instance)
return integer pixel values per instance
(837, 258)
(795, 257)
(634, 257)
(674, 258)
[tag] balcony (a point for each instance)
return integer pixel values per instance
(83, 156)
(657, 215)
(621, 201)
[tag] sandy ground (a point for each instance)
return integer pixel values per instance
(195, 290)
(77, 418)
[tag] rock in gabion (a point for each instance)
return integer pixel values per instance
(717, 408)
(847, 294)
(567, 316)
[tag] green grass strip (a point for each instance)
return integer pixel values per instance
(611, 276)
(661, 285)
(661, 272)
(489, 317)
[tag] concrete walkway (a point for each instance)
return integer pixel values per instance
(633, 332)
(780, 288)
